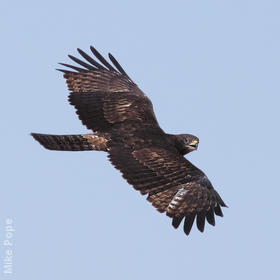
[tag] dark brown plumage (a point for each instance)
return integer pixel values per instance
(124, 125)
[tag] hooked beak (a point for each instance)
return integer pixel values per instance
(194, 144)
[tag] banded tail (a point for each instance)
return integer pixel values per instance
(85, 142)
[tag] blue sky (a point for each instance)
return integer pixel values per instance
(211, 68)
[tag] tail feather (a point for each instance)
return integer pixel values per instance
(71, 142)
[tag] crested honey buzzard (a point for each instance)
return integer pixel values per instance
(124, 125)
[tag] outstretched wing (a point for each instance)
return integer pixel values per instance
(104, 95)
(172, 183)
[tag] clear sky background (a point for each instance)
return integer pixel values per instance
(211, 68)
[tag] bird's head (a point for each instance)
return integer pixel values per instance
(187, 143)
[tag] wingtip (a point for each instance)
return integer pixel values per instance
(218, 211)
(92, 48)
(81, 52)
(200, 221)
(188, 223)
(94, 51)
(71, 57)
(62, 70)
(111, 57)
(177, 221)
(210, 217)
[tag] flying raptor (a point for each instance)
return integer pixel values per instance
(124, 125)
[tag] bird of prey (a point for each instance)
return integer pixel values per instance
(124, 125)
